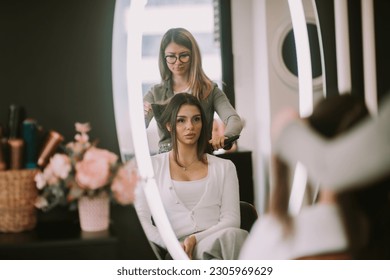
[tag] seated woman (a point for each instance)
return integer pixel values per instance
(199, 191)
(342, 224)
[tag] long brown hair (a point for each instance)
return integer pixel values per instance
(200, 85)
(366, 214)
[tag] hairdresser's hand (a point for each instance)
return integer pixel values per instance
(218, 142)
(189, 245)
(147, 108)
(281, 120)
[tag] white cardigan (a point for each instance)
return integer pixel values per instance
(317, 230)
(218, 208)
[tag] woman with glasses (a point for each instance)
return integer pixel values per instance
(181, 70)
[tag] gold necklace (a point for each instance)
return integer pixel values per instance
(185, 168)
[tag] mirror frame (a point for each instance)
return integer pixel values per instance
(133, 92)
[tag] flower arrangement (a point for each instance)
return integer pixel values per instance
(84, 170)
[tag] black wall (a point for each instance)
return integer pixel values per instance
(55, 60)
(382, 41)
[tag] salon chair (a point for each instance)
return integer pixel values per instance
(248, 215)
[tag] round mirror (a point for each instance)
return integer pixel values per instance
(289, 55)
(284, 54)
(137, 40)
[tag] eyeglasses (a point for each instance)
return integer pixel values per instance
(184, 58)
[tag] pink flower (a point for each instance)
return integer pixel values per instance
(82, 127)
(40, 202)
(77, 148)
(60, 165)
(124, 184)
(95, 153)
(93, 171)
(49, 176)
(52, 173)
(82, 138)
(40, 180)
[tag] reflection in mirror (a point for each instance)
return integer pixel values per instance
(133, 138)
(201, 30)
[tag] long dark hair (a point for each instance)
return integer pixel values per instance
(366, 214)
(169, 115)
(331, 117)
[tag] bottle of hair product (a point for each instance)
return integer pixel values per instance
(15, 143)
(30, 138)
(14, 121)
(53, 140)
(16, 146)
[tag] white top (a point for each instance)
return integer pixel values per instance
(316, 230)
(190, 192)
(218, 207)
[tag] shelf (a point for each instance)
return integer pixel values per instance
(58, 240)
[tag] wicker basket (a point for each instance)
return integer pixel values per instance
(17, 196)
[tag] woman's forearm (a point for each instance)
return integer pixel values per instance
(357, 157)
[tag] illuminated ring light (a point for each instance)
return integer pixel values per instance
(369, 56)
(343, 56)
(285, 74)
(305, 94)
(140, 141)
